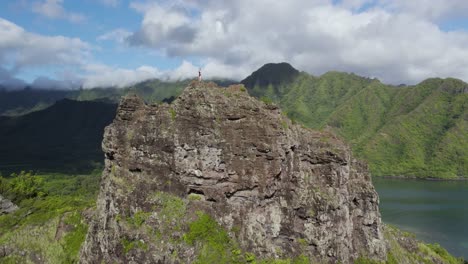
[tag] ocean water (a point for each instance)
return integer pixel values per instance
(435, 211)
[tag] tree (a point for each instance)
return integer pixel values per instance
(23, 186)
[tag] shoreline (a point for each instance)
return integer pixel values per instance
(401, 177)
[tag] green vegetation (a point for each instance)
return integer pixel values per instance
(194, 197)
(73, 240)
(171, 207)
(298, 260)
(216, 246)
(211, 241)
(138, 218)
(49, 222)
(131, 244)
(173, 114)
(215, 243)
(438, 251)
(22, 186)
(424, 253)
(417, 131)
(52, 227)
(266, 100)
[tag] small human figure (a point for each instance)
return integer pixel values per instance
(199, 75)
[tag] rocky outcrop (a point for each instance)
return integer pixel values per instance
(6, 206)
(278, 189)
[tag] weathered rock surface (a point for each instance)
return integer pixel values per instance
(279, 189)
(6, 206)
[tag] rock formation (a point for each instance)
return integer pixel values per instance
(278, 190)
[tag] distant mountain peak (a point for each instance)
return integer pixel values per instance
(271, 73)
(448, 85)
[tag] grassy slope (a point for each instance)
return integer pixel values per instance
(412, 131)
(50, 229)
(312, 100)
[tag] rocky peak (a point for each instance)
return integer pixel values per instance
(273, 188)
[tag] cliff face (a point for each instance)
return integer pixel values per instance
(277, 190)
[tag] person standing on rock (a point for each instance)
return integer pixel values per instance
(199, 74)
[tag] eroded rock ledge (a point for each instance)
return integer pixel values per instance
(278, 189)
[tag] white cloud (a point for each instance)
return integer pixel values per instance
(214, 69)
(118, 35)
(396, 41)
(54, 9)
(184, 71)
(21, 49)
(47, 83)
(9, 82)
(163, 26)
(100, 75)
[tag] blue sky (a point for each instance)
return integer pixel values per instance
(99, 19)
(89, 43)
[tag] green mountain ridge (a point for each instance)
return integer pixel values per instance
(415, 131)
(271, 74)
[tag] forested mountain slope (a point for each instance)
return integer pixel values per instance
(418, 130)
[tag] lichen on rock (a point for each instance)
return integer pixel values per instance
(278, 190)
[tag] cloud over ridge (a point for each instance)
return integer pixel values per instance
(391, 40)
